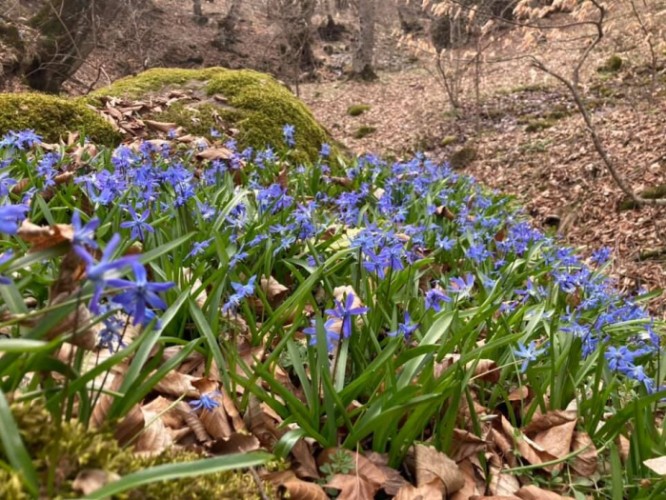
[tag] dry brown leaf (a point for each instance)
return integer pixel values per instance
(297, 488)
(548, 420)
(160, 126)
(501, 483)
(585, 463)
(303, 463)
(465, 444)
(154, 438)
(624, 447)
(44, 237)
(471, 486)
(274, 290)
(129, 426)
(656, 465)
(363, 467)
(193, 422)
(535, 493)
(172, 414)
(528, 449)
(429, 491)
(236, 443)
(216, 421)
(261, 425)
(485, 369)
(432, 464)
(557, 441)
(177, 384)
(352, 487)
(88, 481)
(394, 480)
(217, 153)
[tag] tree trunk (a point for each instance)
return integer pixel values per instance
(362, 67)
(68, 34)
(227, 27)
(197, 11)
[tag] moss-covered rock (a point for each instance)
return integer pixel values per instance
(255, 103)
(53, 117)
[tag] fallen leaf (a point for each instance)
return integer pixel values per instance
(532, 492)
(297, 488)
(547, 421)
(236, 443)
(352, 487)
(304, 464)
(273, 289)
(44, 237)
(88, 481)
(657, 465)
(557, 441)
(177, 384)
(432, 464)
(465, 444)
(585, 463)
(218, 153)
(429, 491)
(471, 486)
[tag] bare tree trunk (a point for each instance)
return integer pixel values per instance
(69, 34)
(362, 67)
(226, 34)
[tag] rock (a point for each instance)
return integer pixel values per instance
(53, 117)
(255, 103)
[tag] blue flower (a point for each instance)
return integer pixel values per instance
(138, 224)
(205, 402)
(5, 257)
(241, 292)
(345, 311)
(6, 183)
(198, 248)
(331, 330)
(527, 354)
(462, 286)
(406, 328)
(288, 134)
(11, 216)
(434, 299)
(139, 294)
(601, 256)
(83, 235)
(97, 273)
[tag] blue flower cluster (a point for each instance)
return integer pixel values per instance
(466, 243)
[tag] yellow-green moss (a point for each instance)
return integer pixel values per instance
(357, 109)
(612, 65)
(53, 117)
(73, 448)
(364, 131)
(256, 104)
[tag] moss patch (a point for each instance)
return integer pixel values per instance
(357, 109)
(53, 117)
(364, 131)
(653, 193)
(256, 104)
(539, 124)
(462, 157)
(77, 449)
(612, 65)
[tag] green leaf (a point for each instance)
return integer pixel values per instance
(14, 449)
(182, 470)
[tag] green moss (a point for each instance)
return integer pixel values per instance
(53, 117)
(536, 125)
(256, 104)
(357, 109)
(462, 157)
(364, 131)
(612, 65)
(73, 449)
(653, 193)
(448, 140)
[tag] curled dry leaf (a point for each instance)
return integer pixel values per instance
(432, 464)
(170, 412)
(261, 425)
(527, 448)
(501, 484)
(218, 153)
(193, 422)
(274, 290)
(465, 444)
(585, 463)
(160, 126)
(557, 441)
(547, 421)
(624, 447)
(236, 443)
(44, 237)
(130, 426)
(177, 384)
(473, 485)
(394, 480)
(363, 467)
(154, 438)
(303, 463)
(216, 421)
(297, 488)
(88, 481)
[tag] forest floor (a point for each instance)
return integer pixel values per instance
(523, 136)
